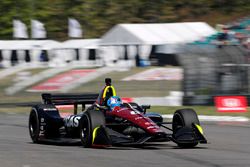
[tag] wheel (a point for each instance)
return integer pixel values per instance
(185, 118)
(89, 121)
(34, 125)
(44, 120)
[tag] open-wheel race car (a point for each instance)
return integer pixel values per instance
(107, 121)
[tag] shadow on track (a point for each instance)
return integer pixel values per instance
(146, 146)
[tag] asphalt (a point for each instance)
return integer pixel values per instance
(229, 147)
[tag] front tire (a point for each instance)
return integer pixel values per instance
(185, 118)
(89, 121)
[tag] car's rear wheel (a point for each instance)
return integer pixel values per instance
(34, 125)
(89, 121)
(185, 118)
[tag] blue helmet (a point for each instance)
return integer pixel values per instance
(114, 101)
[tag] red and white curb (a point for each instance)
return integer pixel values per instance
(34, 79)
(208, 118)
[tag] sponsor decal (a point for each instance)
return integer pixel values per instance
(138, 118)
(231, 103)
(49, 109)
(62, 80)
(147, 123)
(152, 127)
(72, 121)
(134, 112)
(122, 109)
(157, 74)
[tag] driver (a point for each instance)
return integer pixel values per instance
(113, 102)
(107, 99)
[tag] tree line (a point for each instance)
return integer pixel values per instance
(98, 16)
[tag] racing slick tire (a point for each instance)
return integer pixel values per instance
(89, 121)
(34, 125)
(185, 118)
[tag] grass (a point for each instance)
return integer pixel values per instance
(201, 110)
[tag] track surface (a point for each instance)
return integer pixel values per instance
(230, 147)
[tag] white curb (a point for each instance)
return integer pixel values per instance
(208, 118)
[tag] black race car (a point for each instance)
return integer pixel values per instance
(105, 121)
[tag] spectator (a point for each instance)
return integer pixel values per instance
(1, 59)
(44, 56)
(27, 56)
(13, 58)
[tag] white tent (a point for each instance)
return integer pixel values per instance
(77, 50)
(156, 34)
(79, 44)
(34, 48)
(28, 44)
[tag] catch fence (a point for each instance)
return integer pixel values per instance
(212, 70)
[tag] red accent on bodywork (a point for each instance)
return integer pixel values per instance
(137, 118)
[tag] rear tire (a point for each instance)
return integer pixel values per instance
(89, 121)
(185, 118)
(34, 125)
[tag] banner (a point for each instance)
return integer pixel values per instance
(231, 103)
(19, 29)
(74, 28)
(37, 30)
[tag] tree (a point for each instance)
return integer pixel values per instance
(98, 16)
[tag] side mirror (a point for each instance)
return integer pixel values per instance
(101, 107)
(145, 107)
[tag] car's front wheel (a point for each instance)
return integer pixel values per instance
(88, 123)
(183, 120)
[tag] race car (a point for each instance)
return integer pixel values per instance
(105, 121)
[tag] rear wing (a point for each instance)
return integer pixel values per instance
(65, 99)
(69, 99)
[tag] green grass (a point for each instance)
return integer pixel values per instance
(201, 110)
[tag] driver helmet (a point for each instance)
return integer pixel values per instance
(114, 101)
